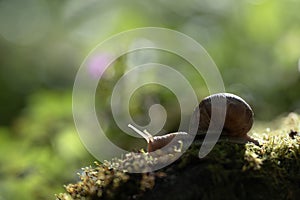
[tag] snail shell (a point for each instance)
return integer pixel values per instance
(238, 121)
(238, 117)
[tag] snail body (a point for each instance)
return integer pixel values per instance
(238, 121)
(157, 142)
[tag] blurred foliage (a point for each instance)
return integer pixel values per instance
(42, 150)
(255, 44)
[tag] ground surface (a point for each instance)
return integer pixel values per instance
(270, 170)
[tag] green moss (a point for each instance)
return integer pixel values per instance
(229, 171)
(102, 182)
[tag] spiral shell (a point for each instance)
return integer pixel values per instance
(238, 118)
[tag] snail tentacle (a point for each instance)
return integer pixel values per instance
(147, 136)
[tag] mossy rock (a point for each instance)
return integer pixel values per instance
(270, 170)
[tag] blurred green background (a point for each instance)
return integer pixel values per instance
(255, 44)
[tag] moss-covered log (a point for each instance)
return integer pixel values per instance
(270, 170)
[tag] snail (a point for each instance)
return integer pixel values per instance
(238, 122)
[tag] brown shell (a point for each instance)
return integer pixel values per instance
(239, 115)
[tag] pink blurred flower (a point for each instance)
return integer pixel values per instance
(98, 63)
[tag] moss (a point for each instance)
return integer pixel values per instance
(229, 171)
